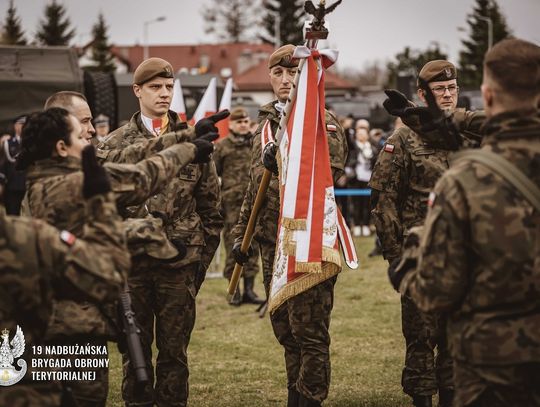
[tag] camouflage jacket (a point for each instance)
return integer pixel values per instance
(407, 168)
(232, 159)
(189, 204)
(480, 251)
(267, 220)
(54, 194)
(40, 264)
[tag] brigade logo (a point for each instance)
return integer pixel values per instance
(448, 72)
(9, 351)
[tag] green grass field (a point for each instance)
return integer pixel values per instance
(235, 361)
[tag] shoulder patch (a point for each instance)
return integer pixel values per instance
(67, 237)
(331, 127)
(431, 199)
(389, 148)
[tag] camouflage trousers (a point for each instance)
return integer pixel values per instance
(168, 298)
(424, 373)
(251, 268)
(301, 326)
(497, 386)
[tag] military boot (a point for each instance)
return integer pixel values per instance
(422, 401)
(249, 295)
(305, 402)
(293, 398)
(446, 397)
(236, 299)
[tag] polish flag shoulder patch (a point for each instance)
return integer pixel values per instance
(431, 199)
(67, 237)
(331, 127)
(389, 148)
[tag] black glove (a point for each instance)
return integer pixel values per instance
(204, 147)
(269, 157)
(208, 124)
(95, 180)
(181, 247)
(239, 257)
(396, 103)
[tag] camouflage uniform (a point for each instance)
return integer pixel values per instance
(307, 357)
(406, 170)
(55, 195)
(232, 164)
(190, 207)
(38, 266)
(480, 263)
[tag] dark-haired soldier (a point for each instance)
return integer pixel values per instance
(232, 158)
(479, 254)
(411, 161)
(51, 152)
(40, 264)
(190, 208)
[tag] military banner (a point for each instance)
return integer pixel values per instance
(307, 250)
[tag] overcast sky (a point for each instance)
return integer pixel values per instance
(362, 30)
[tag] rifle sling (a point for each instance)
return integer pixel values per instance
(505, 169)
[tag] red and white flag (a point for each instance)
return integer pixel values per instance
(226, 99)
(307, 248)
(208, 104)
(177, 103)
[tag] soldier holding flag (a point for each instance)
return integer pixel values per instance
(300, 309)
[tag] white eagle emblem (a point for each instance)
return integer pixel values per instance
(8, 374)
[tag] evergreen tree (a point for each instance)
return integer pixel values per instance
(470, 59)
(230, 20)
(55, 28)
(291, 21)
(101, 49)
(12, 33)
(410, 61)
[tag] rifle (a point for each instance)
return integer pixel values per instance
(313, 32)
(131, 332)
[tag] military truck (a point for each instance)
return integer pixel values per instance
(29, 75)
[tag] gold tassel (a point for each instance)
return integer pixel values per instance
(301, 284)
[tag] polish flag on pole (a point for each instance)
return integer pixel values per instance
(208, 104)
(223, 125)
(177, 103)
(310, 226)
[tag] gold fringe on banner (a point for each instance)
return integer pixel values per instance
(311, 267)
(329, 254)
(301, 284)
(294, 224)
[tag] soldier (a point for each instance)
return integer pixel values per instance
(411, 161)
(306, 342)
(102, 125)
(232, 164)
(479, 254)
(76, 104)
(190, 209)
(40, 263)
(52, 156)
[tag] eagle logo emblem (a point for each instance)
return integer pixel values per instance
(448, 72)
(9, 351)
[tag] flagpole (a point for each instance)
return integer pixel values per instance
(314, 31)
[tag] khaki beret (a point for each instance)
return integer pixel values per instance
(151, 68)
(238, 113)
(283, 57)
(437, 70)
